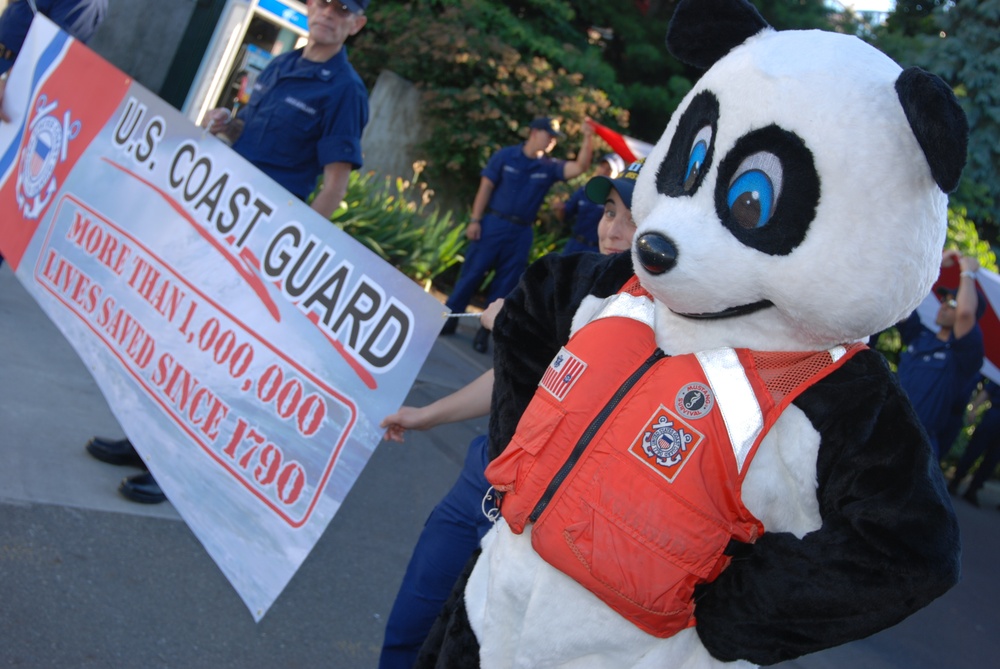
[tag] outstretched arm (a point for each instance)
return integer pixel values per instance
(469, 401)
(575, 168)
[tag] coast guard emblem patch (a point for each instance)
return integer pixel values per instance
(666, 443)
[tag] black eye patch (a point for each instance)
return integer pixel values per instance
(768, 190)
(691, 150)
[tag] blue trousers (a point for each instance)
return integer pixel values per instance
(450, 536)
(503, 246)
(985, 442)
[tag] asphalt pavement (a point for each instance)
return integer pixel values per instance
(89, 579)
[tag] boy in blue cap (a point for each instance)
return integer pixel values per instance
(457, 524)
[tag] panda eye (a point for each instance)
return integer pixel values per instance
(754, 190)
(696, 161)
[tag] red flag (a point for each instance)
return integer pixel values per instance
(629, 148)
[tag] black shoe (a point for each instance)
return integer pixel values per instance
(481, 342)
(970, 497)
(114, 451)
(953, 486)
(142, 488)
(449, 326)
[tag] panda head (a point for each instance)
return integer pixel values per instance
(797, 198)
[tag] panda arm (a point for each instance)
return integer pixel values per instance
(535, 322)
(888, 544)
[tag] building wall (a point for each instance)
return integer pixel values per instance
(141, 37)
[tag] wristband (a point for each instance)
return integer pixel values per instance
(971, 275)
(474, 220)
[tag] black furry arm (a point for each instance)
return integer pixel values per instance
(535, 321)
(888, 545)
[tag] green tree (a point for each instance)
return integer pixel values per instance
(913, 17)
(959, 41)
(486, 68)
(966, 53)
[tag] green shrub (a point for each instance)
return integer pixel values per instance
(394, 219)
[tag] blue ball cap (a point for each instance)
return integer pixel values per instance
(597, 189)
(548, 125)
(356, 6)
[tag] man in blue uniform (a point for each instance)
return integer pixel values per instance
(582, 215)
(304, 119)
(935, 368)
(307, 110)
(514, 183)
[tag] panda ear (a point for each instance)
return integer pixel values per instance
(703, 31)
(938, 123)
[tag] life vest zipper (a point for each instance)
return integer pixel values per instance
(591, 430)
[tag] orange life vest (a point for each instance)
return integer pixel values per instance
(630, 462)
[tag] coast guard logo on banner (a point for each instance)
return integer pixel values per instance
(563, 372)
(666, 443)
(47, 144)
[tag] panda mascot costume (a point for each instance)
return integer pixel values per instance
(699, 462)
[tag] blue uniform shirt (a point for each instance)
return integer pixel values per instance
(520, 183)
(303, 116)
(79, 18)
(934, 373)
(584, 215)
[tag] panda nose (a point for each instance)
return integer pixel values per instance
(656, 253)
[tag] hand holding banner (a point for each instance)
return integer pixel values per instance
(247, 346)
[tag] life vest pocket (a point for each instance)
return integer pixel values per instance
(510, 471)
(644, 567)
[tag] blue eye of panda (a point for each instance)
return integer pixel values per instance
(754, 190)
(696, 160)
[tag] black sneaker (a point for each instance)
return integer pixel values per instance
(114, 452)
(142, 488)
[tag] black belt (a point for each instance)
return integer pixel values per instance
(510, 219)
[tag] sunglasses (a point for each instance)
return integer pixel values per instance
(341, 8)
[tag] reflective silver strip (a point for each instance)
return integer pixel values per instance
(624, 305)
(735, 398)
(837, 352)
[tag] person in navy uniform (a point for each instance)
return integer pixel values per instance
(458, 523)
(307, 110)
(582, 215)
(985, 443)
(304, 119)
(514, 183)
(935, 368)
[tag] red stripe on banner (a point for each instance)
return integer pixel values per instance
(75, 103)
(247, 272)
